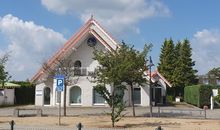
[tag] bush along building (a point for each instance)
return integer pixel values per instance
(75, 59)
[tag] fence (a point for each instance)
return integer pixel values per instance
(181, 113)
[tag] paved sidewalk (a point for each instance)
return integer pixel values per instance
(140, 111)
(80, 111)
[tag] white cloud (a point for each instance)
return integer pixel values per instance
(29, 44)
(206, 46)
(117, 15)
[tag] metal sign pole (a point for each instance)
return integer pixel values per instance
(59, 89)
(59, 115)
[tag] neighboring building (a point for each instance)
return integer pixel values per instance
(7, 93)
(81, 93)
(158, 90)
(206, 79)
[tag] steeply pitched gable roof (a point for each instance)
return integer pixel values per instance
(156, 73)
(92, 27)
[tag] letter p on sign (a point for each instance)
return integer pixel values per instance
(59, 82)
(60, 85)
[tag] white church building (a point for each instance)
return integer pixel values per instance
(80, 92)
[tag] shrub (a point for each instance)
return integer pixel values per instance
(198, 95)
(169, 98)
(217, 98)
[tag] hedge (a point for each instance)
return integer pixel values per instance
(25, 94)
(198, 95)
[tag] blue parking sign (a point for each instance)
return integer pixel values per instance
(59, 83)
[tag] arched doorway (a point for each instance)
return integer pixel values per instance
(47, 92)
(75, 95)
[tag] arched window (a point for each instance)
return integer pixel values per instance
(77, 64)
(75, 95)
(47, 92)
(77, 67)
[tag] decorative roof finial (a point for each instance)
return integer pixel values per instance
(91, 16)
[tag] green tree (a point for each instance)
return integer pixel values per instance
(176, 65)
(177, 77)
(167, 59)
(127, 65)
(186, 65)
(4, 75)
(135, 66)
(110, 72)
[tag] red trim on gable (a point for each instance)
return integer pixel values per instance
(61, 53)
(156, 72)
(101, 40)
(108, 34)
(71, 42)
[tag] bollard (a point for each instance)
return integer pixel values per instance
(12, 123)
(79, 126)
(159, 128)
(205, 108)
(158, 111)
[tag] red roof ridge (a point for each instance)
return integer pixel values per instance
(105, 31)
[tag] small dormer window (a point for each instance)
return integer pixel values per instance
(91, 41)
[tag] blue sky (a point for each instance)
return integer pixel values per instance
(33, 30)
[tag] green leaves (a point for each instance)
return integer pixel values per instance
(4, 75)
(125, 64)
(198, 95)
(176, 64)
(167, 59)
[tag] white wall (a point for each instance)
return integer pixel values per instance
(145, 99)
(8, 97)
(39, 93)
(84, 53)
